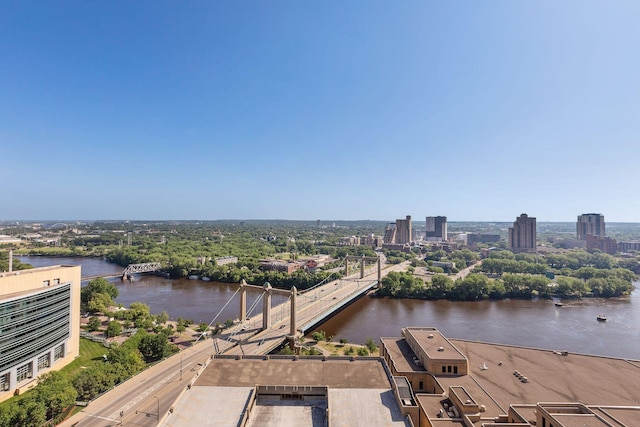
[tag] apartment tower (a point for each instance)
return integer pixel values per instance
(590, 224)
(522, 236)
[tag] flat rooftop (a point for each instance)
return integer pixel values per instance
(332, 372)
(434, 344)
(359, 394)
(591, 380)
(401, 355)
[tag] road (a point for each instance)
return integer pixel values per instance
(143, 397)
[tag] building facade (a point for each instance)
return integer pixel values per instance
(436, 228)
(404, 230)
(604, 244)
(522, 236)
(590, 224)
(39, 324)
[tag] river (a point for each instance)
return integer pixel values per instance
(533, 323)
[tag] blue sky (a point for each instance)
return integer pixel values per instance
(319, 110)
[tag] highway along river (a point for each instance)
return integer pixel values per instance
(537, 323)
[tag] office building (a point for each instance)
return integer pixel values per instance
(436, 228)
(39, 324)
(522, 236)
(590, 224)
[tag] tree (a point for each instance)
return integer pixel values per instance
(94, 323)
(371, 345)
(319, 336)
(30, 413)
(162, 318)
(131, 358)
(154, 347)
(56, 392)
(441, 286)
(363, 351)
(114, 329)
(98, 286)
(99, 303)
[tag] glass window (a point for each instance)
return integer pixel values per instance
(4, 382)
(58, 353)
(43, 362)
(24, 372)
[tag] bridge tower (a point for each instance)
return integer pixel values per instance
(243, 300)
(292, 316)
(266, 306)
(363, 261)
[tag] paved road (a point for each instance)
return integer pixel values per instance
(146, 395)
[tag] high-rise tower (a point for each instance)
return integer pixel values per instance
(436, 228)
(404, 230)
(522, 236)
(590, 224)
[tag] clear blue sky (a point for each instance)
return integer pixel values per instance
(477, 110)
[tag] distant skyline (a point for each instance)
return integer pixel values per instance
(478, 111)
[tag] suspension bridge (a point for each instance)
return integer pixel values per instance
(302, 310)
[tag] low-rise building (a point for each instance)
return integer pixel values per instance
(287, 267)
(604, 244)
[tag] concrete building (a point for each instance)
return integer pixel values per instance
(436, 228)
(590, 224)
(389, 237)
(403, 230)
(522, 236)
(39, 324)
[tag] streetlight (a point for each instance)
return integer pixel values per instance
(181, 366)
(158, 406)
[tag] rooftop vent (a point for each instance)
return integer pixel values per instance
(440, 348)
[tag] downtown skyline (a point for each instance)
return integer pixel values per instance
(285, 110)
